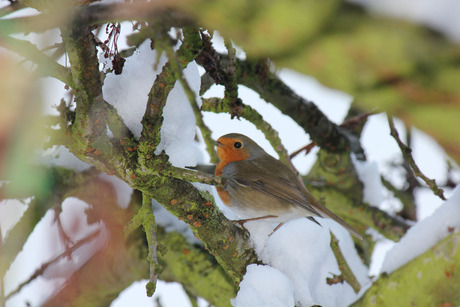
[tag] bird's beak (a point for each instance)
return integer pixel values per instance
(218, 144)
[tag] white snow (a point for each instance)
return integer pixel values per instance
(61, 156)
(128, 92)
(382, 246)
(427, 202)
(11, 210)
(166, 292)
(423, 235)
(264, 286)
(301, 250)
(368, 173)
(333, 103)
(178, 129)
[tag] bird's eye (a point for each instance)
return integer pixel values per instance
(237, 145)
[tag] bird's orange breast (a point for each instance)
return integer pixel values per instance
(227, 154)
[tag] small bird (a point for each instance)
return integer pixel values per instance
(259, 186)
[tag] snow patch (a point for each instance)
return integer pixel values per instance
(425, 234)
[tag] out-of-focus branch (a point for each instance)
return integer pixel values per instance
(56, 15)
(12, 7)
(407, 156)
(38, 272)
(60, 181)
(46, 65)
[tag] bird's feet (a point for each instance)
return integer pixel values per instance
(242, 222)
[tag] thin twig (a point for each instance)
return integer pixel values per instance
(348, 124)
(407, 156)
(307, 149)
(352, 122)
(347, 273)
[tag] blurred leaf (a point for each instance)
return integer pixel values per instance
(265, 28)
(21, 128)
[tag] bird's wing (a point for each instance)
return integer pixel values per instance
(281, 184)
(272, 180)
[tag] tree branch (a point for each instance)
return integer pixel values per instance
(150, 229)
(256, 76)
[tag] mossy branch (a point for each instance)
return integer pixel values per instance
(220, 236)
(192, 176)
(230, 81)
(256, 75)
(150, 229)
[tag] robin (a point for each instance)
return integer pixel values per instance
(259, 186)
